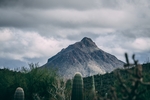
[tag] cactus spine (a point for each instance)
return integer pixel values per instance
(19, 94)
(77, 89)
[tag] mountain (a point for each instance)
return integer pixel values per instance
(84, 57)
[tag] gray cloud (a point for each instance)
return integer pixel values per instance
(41, 28)
(65, 14)
(84, 4)
(45, 4)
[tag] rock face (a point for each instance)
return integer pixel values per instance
(84, 57)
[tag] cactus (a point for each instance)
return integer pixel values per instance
(77, 89)
(68, 89)
(19, 94)
(93, 92)
(133, 91)
(130, 91)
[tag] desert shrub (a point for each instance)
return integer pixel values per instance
(34, 81)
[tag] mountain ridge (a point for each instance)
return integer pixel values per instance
(85, 57)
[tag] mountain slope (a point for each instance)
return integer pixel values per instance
(84, 57)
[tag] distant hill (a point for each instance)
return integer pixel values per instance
(84, 57)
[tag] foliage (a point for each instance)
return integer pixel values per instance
(58, 89)
(130, 83)
(34, 81)
(132, 88)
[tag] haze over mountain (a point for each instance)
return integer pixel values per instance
(84, 57)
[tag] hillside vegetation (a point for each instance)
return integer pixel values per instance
(33, 81)
(130, 83)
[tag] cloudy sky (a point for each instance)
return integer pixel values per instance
(32, 31)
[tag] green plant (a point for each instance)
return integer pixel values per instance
(38, 81)
(19, 94)
(77, 89)
(68, 89)
(90, 92)
(58, 90)
(133, 87)
(93, 92)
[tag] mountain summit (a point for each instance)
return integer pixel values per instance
(84, 57)
(88, 42)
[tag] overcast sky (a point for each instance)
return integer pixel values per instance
(35, 30)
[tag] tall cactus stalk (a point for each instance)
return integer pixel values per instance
(90, 92)
(93, 92)
(68, 89)
(19, 94)
(77, 89)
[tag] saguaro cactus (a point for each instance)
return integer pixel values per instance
(77, 89)
(19, 94)
(92, 91)
(68, 89)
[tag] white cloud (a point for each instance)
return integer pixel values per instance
(42, 28)
(141, 44)
(117, 45)
(30, 45)
(5, 35)
(109, 43)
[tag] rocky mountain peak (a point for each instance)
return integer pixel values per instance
(88, 42)
(84, 57)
